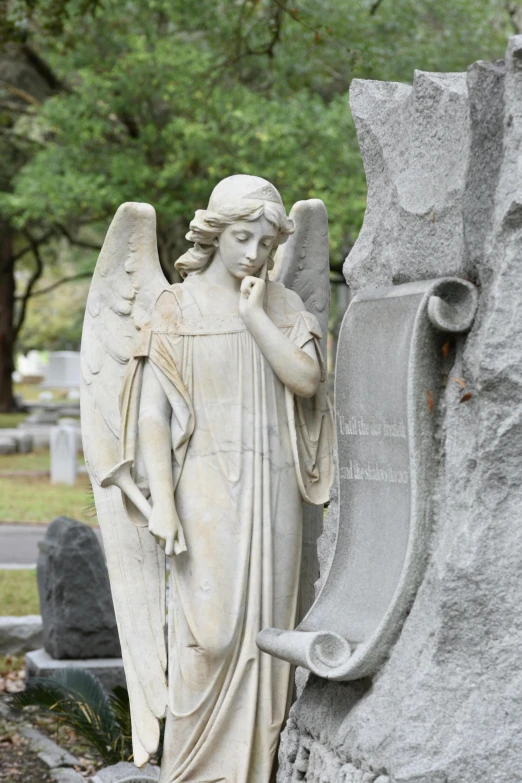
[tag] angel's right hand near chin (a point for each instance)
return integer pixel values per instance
(166, 528)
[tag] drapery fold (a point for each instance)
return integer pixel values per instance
(309, 420)
(245, 451)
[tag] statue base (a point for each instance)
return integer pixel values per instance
(109, 671)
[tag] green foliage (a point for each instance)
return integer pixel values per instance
(50, 15)
(12, 419)
(55, 319)
(162, 102)
(79, 700)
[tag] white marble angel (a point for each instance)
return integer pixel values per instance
(206, 424)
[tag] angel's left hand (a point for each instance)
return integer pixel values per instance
(251, 298)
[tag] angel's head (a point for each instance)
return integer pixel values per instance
(242, 209)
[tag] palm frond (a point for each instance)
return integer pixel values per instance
(79, 700)
(120, 706)
(40, 692)
(90, 692)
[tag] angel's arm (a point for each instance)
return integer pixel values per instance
(297, 368)
(155, 444)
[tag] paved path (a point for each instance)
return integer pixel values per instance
(19, 544)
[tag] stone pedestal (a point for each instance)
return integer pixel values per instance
(442, 161)
(109, 671)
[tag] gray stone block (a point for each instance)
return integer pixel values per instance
(20, 634)
(109, 671)
(40, 433)
(47, 750)
(124, 772)
(66, 775)
(8, 445)
(24, 440)
(43, 417)
(75, 598)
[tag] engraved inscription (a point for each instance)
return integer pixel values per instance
(379, 428)
(372, 471)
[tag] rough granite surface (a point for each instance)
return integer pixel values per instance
(442, 161)
(20, 634)
(75, 598)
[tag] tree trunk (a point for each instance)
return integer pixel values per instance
(7, 303)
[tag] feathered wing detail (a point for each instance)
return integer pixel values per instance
(303, 264)
(125, 287)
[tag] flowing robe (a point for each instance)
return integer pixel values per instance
(245, 454)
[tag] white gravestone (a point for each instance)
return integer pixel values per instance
(63, 370)
(63, 454)
(31, 366)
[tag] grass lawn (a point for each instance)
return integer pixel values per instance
(37, 460)
(28, 499)
(18, 592)
(12, 420)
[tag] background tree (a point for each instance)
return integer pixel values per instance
(26, 82)
(153, 102)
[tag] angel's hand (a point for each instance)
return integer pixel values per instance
(166, 528)
(251, 298)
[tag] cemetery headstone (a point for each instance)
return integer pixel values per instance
(75, 599)
(31, 368)
(8, 445)
(389, 365)
(63, 370)
(23, 440)
(442, 164)
(64, 446)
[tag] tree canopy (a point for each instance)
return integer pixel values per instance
(161, 102)
(157, 100)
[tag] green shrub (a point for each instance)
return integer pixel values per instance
(78, 699)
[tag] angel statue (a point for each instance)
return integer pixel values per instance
(205, 425)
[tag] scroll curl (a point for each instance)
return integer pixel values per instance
(388, 374)
(452, 305)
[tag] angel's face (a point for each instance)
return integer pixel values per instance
(245, 246)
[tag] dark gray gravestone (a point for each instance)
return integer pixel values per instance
(388, 377)
(75, 598)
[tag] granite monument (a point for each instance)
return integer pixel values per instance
(442, 160)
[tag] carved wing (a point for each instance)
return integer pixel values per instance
(303, 264)
(126, 284)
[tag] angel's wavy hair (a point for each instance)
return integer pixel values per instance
(208, 225)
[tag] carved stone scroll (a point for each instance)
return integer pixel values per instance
(388, 375)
